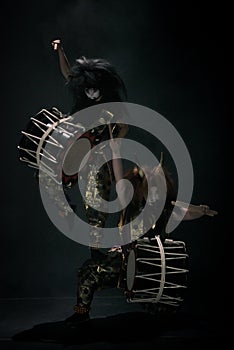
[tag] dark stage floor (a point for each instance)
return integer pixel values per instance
(114, 324)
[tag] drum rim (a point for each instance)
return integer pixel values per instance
(45, 135)
(161, 295)
(132, 256)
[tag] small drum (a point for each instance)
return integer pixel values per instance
(56, 144)
(157, 272)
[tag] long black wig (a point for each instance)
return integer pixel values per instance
(94, 73)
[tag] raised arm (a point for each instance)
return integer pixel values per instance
(63, 61)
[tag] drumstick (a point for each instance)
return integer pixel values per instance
(195, 208)
(110, 131)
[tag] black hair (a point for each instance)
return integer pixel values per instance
(94, 73)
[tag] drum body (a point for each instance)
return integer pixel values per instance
(56, 144)
(157, 272)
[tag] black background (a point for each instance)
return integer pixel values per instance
(174, 58)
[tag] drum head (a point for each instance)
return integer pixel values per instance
(131, 269)
(75, 155)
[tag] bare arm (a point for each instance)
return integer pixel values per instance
(63, 61)
(123, 129)
(116, 159)
(118, 170)
(191, 212)
(123, 193)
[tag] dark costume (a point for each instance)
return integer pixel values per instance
(97, 74)
(109, 270)
(103, 269)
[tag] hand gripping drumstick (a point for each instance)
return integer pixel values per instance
(55, 44)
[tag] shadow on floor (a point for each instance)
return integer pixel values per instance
(121, 328)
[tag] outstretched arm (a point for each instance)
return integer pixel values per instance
(191, 212)
(63, 61)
